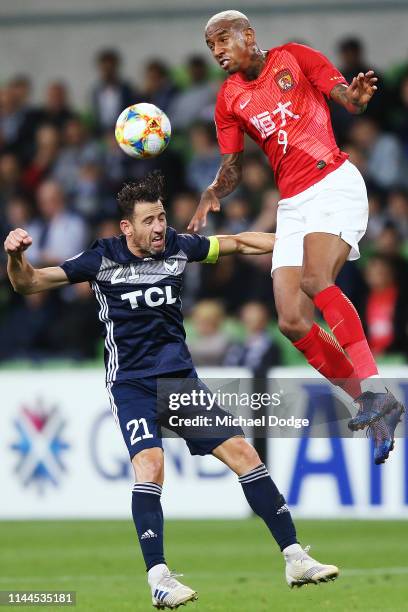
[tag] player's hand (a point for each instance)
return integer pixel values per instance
(209, 202)
(362, 88)
(17, 241)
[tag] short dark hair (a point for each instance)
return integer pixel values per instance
(197, 61)
(351, 43)
(157, 65)
(110, 55)
(148, 189)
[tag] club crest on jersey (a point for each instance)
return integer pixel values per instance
(171, 265)
(285, 80)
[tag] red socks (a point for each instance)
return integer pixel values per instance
(327, 355)
(345, 324)
(324, 353)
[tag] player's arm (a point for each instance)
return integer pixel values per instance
(228, 176)
(245, 243)
(24, 278)
(323, 74)
(357, 95)
(227, 179)
(230, 136)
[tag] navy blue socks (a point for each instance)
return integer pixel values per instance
(266, 501)
(260, 492)
(148, 518)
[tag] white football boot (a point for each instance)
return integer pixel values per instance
(302, 569)
(167, 592)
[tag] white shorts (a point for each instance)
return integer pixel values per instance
(335, 205)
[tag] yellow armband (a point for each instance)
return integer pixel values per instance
(213, 251)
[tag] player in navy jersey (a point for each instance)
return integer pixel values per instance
(137, 280)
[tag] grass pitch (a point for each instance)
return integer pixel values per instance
(234, 565)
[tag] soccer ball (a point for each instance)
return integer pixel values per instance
(143, 130)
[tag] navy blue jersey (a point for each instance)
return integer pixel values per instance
(139, 302)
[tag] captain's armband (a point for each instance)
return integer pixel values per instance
(213, 251)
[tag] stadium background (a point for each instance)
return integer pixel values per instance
(56, 125)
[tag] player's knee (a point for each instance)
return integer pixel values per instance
(245, 457)
(293, 327)
(312, 283)
(250, 456)
(148, 465)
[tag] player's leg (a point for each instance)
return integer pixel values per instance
(295, 309)
(147, 511)
(229, 445)
(269, 504)
(295, 319)
(336, 219)
(324, 256)
(167, 591)
(323, 352)
(260, 491)
(135, 410)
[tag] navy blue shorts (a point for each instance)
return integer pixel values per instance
(141, 409)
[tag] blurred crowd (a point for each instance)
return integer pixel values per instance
(60, 171)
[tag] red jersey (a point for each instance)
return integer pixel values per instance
(285, 112)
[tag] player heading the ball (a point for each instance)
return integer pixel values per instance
(278, 97)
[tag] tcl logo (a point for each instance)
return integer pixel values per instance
(154, 296)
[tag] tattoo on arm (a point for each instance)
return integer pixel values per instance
(228, 176)
(339, 95)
